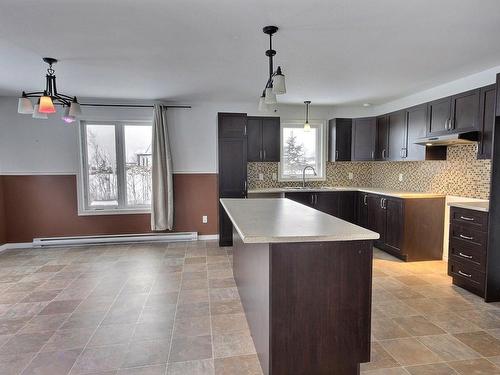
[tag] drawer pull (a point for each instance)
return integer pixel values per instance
(467, 218)
(466, 237)
(465, 255)
(464, 274)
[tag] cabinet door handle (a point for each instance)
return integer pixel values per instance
(466, 237)
(381, 202)
(337, 155)
(385, 203)
(245, 185)
(373, 154)
(264, 154)
(383, 153)
(467, 218)
(315, 199)
(364, 200)
(260, 155)
(312, 199)
(245, 130)
(451, 123)
(464, 274)
(465, 255)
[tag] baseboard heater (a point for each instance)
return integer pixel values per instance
(114, 239)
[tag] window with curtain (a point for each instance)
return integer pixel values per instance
(116, 166)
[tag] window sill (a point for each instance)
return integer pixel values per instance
(140, 211)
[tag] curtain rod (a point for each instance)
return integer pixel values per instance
(132, 105)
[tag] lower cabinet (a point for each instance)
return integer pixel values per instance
(341, 204)
(467, 251)
(411, 229)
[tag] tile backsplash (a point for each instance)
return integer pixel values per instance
(461, 174)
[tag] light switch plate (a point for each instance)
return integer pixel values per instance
(204, 219)
(350, 175)
(275, 176)
(400, 177)
(261, 176)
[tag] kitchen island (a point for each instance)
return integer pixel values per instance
(305, 280)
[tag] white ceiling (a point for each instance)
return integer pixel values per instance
(343, 52)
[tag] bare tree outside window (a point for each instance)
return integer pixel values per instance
(118, 177)
(101, 161)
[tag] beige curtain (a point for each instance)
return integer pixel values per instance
(162, 197)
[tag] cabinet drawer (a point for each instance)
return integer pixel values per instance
(468, 253)
(472, 218)
(468, 234)
(466, 276)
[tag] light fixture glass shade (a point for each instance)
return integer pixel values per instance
(75, 109)
(270, 96)
(67, 118)
(279, 84)
(39, 115)
(307, 127)
(24, 106)
(46, 105)
(263, 107)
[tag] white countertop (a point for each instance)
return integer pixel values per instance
(483, 206)
(268, 220)
(389, 193)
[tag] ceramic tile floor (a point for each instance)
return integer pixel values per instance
(158, 309)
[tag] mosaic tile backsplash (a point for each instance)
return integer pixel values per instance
(461, 174)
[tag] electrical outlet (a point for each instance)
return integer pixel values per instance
(275, 176)
(261, 176)
(350, 176)
(204, 219)
(401, 177)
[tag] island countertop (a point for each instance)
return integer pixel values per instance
(277, 220)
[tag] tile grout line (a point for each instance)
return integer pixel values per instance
(175, 313)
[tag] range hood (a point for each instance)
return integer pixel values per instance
(449, 139)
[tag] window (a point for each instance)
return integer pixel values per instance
(300, 148)
(116, 166)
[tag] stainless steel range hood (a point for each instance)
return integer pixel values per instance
(449, 139)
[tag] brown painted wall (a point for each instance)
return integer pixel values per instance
(3, 238)
(46, 206)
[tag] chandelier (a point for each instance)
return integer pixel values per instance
(48, 98)
(276, 82)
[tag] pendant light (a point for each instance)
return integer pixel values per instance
(46, 104)
(24, 105)
(37, 114)
(307, 127)
(49, 98)
(275, 84)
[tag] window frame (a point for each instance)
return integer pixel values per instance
(84, 208)
(321, 143)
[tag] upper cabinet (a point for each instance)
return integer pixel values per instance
(457, 113)
(498, 96)
(263, 139)
(364, 131)
(465, 111)
(416, 124)
(487, 99)
(382, 143)
(398, 136)
(439, 115)
(340, 139)
(232, 125)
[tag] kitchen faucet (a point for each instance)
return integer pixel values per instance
(304, 174)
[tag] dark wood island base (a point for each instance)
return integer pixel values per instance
(308, 304)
